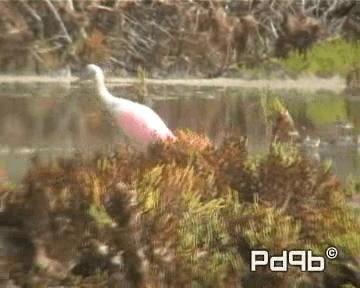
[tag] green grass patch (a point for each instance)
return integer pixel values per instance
(325, 59)
(326, 111)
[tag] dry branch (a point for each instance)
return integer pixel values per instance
(177, 36)
(58, 20)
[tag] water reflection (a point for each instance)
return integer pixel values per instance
(57, 119)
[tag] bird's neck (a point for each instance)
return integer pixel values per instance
(102, 91)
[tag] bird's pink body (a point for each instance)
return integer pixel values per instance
(137, 121)
(144, 128)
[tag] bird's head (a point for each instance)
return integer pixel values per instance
(92, 72)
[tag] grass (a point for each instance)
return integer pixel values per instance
(325, 59)
(327, 111)
(321, 108)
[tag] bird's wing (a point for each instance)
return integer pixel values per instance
(141, 122)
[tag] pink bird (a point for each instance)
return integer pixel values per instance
(137, 121)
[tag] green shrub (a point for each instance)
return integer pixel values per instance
(325, 59)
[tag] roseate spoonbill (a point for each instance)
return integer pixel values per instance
(137, 121)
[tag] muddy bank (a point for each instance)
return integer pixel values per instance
(336, 84)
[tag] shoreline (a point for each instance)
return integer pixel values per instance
(336, 83)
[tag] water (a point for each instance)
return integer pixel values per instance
(60, 118)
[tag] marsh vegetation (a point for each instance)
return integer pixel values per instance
(185, 213)
(251, 168)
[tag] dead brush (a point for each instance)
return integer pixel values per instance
(186, 212)
(186, 37)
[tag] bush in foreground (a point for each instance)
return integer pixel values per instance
(184, 214)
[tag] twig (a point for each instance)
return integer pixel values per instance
(330, 10)
(274, 29)
(286, 203)
(123, 65)
(37, 57)
(47, 50)
(317, 8)
(58, 19)
(35, 16)
(103, 8)
(117, 3)
(162, 29)
(69, 5)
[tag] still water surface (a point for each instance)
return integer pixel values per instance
(58, 118)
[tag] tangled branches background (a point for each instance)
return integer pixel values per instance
(178, 37)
